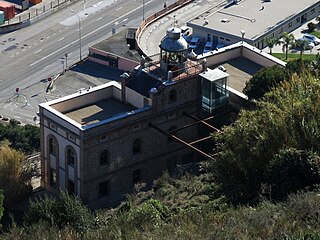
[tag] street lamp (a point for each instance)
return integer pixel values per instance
(242, 34)
(143, 10)
(79, 30)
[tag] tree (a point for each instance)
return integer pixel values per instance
(311, 26)
(271, 42)
(291, 170)
(287, 39)
(15, 175)
(301, 45)
(263, 81)
(65, 211)
(287, 117)
(1, 205)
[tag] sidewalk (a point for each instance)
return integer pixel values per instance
(34, 14)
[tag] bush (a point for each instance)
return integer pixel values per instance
(65, 211)
(263, 81)
(311, 26)
(1, 205)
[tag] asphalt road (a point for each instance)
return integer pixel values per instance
(30, 55)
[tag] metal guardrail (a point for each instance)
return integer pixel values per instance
(34, 14)
(156, 16)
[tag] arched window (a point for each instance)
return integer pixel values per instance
(104, 158)
(136, 146)
(172, 96)
(52, 146)
(71, 156)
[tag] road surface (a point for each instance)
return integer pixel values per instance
(30, 55)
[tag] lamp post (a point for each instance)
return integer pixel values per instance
(143, 10)
(79, 30)
(242, 34)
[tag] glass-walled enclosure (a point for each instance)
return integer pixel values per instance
(214, 93)
(173, 58)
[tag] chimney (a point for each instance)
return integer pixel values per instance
(204, 65)
(154, 95)
(124, 78)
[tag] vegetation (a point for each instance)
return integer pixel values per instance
(263, 81)
(15, 175)
(294, 56)
(263, 183)
(285, 129)
(24, 138)
(311, 27)
(287, 40)
(267, 78)
(66, 211)
(1, 205)
(271, 42)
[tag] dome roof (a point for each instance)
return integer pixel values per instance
(173, 42)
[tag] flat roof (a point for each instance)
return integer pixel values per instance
(99, 111)
(117, 45)
(255, 17)
(213, 74)
(240, 70)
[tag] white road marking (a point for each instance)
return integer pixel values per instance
(38, 51)
(118, 8)
(12, 56)
(47, 37)
(60, 30)
(99, 19)
(60, 39)
(124, 19)
(77, 40)
(35, 43)
(46, 66)
(29, 47)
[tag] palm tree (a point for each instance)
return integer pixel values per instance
(301, 45)
(287, 39)
(271, 42)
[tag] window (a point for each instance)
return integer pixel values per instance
(52, 146)
(53, 177)
(104, 158)
(103, 138)
(172, 96)
(52, 126)
(71, 156)
(136, 176)
(298, 19)
(136, 146)
(71, 187)
(281, 30)
(71, 137)
(103, 189)
(290, 24)
(312, 11)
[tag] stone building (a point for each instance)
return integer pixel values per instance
(99, 142)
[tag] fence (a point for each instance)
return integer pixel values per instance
(34, 14)
(155, 16)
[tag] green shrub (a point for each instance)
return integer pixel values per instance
(311, 26)
(64, 211)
